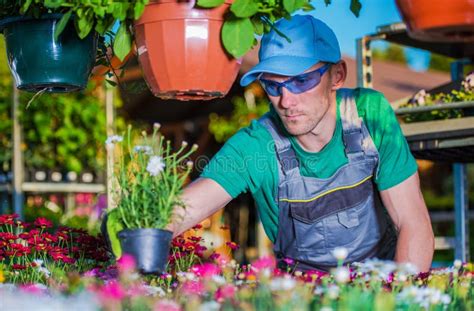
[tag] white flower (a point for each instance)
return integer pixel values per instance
(340, 253)
(143, 149)
(219, 279)
(457, 264)
(155, 165)
(342, 275)
(282, 284)
(111, 140)
(468, 82)
(445, 299)
(210, 306)
(333, 292)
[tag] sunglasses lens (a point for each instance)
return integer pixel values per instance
(271, 88)
(303, 83)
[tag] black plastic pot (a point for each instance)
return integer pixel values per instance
(149, 247)
(38, 62)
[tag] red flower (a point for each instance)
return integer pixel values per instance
(8, 219)
(8, 237)
(214, 256)
(19, 250)
(18, 267)
(197, 227)
(48, 237)
(43, 223)
(196, 239)
(233, 246)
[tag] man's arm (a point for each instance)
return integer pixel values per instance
(407, 208)
(202, 198)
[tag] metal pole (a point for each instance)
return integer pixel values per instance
(109, 111)
(17, 194)
(460, 209)
(461, 201)
(364, 62)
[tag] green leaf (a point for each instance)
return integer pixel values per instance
(84, 24)
(244, 8)
(237, 36)
(308, 7)
(122, 42)
(62, 24)
(293, 5)
(209, 3)
(114, 226)
(257, 25)
(111, 82)
(327, 2)
(355, 7)
(53, 4)
(138, 10)
(25, 6)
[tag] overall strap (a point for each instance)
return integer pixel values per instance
(285, 153)
(353, 135)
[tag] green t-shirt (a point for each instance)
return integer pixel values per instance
(247, 161)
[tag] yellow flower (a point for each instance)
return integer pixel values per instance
(2, 278)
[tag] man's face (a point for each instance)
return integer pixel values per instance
(301, 113)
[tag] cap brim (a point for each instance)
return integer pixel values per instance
(279, 65)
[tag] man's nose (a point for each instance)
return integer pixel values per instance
(287, 99)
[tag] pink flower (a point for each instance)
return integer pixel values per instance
(112, 291)
(288, 261)
(34, 288)
(166, 305)
(232, 245)
(126, 263)
(43, 222)
(266, 262)
(193, 288)
(227, 291)
(206, 270)
(214, 256)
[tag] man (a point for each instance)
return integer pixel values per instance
(328, 167)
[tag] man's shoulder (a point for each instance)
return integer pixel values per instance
(369, 101)
(251, 136)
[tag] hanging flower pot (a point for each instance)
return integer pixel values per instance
(442, 21)
(149, 247)
(38, 62)
(181, 52)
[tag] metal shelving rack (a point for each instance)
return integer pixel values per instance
(19, 187)
(449, 140)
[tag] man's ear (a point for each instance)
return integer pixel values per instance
(339, 74)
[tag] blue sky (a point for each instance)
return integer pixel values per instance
(374, 13)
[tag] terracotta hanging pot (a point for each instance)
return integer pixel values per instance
(180, 50)
(439, 20)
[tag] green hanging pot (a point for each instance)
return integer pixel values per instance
(38, 62)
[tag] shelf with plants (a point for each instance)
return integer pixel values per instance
(439, 124)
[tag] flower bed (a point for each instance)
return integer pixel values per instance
(197, 282)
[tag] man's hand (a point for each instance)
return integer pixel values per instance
(407, 208)
(202, 198)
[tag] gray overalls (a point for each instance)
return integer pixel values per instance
(317, 215)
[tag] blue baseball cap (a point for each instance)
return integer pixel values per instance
(312, 41)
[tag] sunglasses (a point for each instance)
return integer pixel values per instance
(297, 84)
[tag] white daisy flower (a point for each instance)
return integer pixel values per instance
(111, 140)
(155, 165)
(143, 149)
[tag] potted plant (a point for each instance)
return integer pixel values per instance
(465, 93)
(192, 49)
(46, 39)
(443, 21)
(147, 184)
